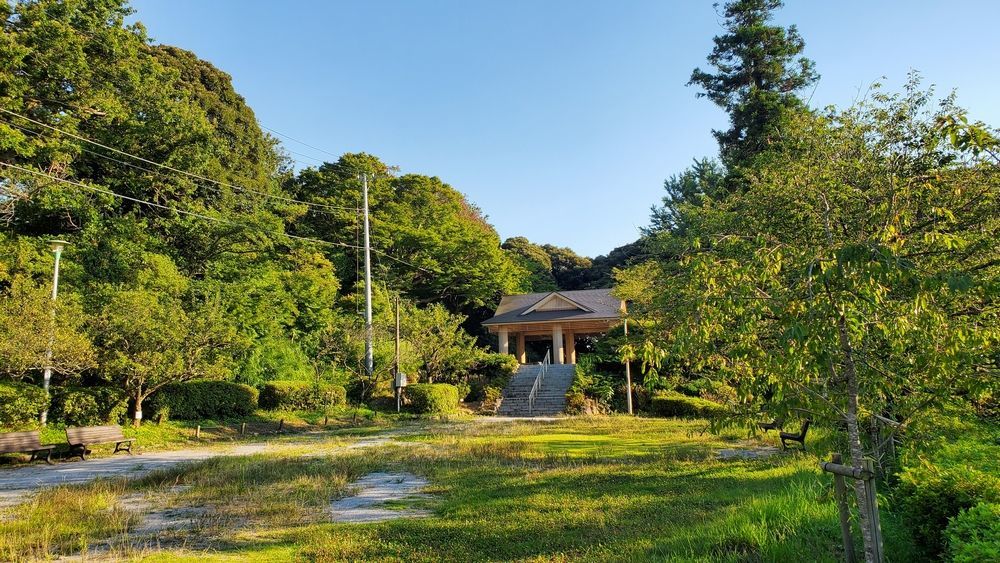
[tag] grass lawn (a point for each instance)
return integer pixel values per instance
(593, 489)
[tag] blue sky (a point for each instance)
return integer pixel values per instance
(559, 118)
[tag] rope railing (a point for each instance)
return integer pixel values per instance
(543, 366)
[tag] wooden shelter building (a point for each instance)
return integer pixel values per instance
(561, 316)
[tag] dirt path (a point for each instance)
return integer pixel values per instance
(18, 483)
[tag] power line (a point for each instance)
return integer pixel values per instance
(171, 168)
(144, 169)
(293, 139)
(174, 209)
(210, 218)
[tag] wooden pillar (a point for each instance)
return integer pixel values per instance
(557, 344)
(503, 341)
(522, 353)
(570, 339)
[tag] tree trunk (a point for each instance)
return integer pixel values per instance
(868, 534)
(137, 410)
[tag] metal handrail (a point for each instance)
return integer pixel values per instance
(543, 366)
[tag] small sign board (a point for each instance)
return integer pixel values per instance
(400, 380)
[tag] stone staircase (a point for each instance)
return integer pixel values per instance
(551, 396)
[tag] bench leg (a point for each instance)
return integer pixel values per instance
(120, 448)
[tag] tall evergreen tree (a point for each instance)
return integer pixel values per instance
(758, 76)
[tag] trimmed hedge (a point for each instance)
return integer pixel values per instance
(89, 406)
(301, 395)
(433, 398)
(21, 404)
(974, 535)
(932, 495)
(195, 400)
(672, 403)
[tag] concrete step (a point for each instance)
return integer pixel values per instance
(550, 397)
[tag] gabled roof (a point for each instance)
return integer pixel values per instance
(581, 305)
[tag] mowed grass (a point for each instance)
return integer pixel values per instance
(594, 489)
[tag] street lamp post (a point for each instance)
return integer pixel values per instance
(57, 248)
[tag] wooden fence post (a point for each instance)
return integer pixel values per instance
(871, 500)
(840, 494)
(197, 432)
(243, 429)
(281, 425)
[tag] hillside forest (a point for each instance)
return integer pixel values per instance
(836, 264)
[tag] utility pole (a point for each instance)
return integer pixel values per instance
(628, 373)
(395, 369)
(57, 247)
(369, 354)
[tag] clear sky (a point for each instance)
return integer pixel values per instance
(559, 118)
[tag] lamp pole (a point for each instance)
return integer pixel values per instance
(57, 248)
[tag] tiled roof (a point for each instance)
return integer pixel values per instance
(601, 303)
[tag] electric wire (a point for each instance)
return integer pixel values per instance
(210, 218)
(171, 168)
(164, 175)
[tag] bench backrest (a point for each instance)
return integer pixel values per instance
(19, 441)
(83, 435)
(805, 427)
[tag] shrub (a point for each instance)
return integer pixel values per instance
(491, 399)
(194, 400)
(89, 406)
(433, 398)
(464, 390)
(21, 404)
(931, 495)
(493, 366)
(576, 402)
(672, 403)
(974, 535)
(301, 395)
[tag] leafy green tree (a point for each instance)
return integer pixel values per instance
(148, 338)
(705, 178)
(535, 260)
(429, 241)
(758, 75)
(30, 321)
(569, 268)
(445, 351)
(856, 275)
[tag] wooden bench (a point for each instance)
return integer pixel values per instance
(776, 424)
(800, 437)
(25, 442)
(80, 437)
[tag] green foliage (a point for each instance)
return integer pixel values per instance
(301, 395)
(27, 316)
(854, 275)
(89, 406)
(931, 495)
(757, 78)
(276, 359)
(196, 400)
(596, 388)
(433, 398)
(974, 535)
(672, 403)
(452, 254)
(703, 181)
(535, 260)
(445, 351)
(21, 404)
